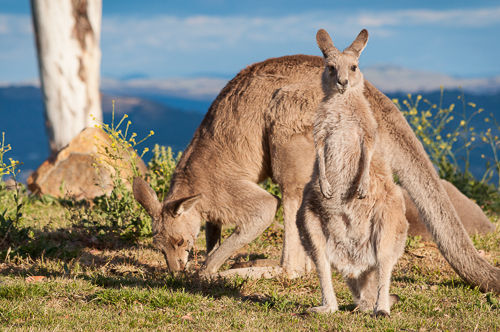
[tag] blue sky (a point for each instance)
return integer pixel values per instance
(165, 39)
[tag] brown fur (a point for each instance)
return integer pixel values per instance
(358, 223)
(260, 126)
(473, 218)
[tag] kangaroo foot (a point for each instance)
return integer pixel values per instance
(381, 313)
(266, 272)
(324, 309)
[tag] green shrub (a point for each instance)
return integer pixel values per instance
(161, 168)
(447, 136)
(119, 213)
(11, 230)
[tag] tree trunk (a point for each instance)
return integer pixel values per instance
(67, 36)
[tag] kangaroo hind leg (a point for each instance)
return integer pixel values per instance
(292, 168)
(314, 241)
(390, 247)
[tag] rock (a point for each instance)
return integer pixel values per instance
(81, 170)
(471, 215)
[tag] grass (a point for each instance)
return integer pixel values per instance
(103, 283)
(91, 265)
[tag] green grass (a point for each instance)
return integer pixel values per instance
(110, 283)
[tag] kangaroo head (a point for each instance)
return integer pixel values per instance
(341, 70)
(176, 223)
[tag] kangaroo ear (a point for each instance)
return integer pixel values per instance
(182, 205)
(359, 43)
(146, 196)
(325, 43)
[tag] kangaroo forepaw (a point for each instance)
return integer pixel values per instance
(362, 191)
(326, 189)
(324, 309)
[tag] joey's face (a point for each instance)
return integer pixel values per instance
(176, 223)
(341, 68)
(342, 72)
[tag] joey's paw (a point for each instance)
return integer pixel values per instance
(326, 189)
(362, 191)
(324, 309)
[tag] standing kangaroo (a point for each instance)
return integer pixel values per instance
(352, 213)
(260, 126)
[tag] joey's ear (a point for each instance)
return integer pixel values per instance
(182, 205)
(325, 43)
(359, 43)
(146, 196)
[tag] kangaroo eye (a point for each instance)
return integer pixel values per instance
(354, 67)
(332, 70)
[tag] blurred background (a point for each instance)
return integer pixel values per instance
(165, 61)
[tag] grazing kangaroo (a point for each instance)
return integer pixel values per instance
(352, 214)
(260, 126)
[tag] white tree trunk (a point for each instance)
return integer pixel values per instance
(67, 36)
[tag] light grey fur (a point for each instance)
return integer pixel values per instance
(352, 214)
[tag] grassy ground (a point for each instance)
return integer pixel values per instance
(71, 276)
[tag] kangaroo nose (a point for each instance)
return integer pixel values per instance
(344, 82)
(182, 266)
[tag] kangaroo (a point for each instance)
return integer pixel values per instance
(260, 126)
(352, 214)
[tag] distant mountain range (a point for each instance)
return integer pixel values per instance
(22, 120)
(175, 108)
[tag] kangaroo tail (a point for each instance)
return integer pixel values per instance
(417, 175)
